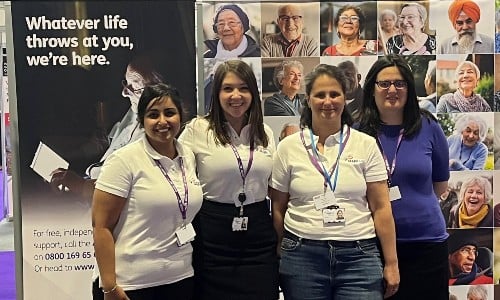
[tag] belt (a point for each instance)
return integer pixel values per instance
(334, 243)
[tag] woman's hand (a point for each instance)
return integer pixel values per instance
(117, 294)
(66, 180)
(391, 277)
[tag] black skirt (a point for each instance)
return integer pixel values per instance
(229, 264)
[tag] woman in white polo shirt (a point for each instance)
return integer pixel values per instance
(145, 198)
(325, 168)
(235, 247)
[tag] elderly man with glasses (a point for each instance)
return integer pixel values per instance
(290, 41)
(464, 15)
(462, 257)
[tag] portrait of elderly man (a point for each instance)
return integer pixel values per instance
(290, 41)
(464, 16)
(463, 253)
(231, 24)
(288, 79)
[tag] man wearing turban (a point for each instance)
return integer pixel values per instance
(464, 15)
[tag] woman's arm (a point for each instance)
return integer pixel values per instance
(279, 204)
(377, 194)
(106, 209)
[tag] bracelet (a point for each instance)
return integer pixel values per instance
(111, 290)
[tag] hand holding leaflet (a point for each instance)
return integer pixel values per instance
(46, 160)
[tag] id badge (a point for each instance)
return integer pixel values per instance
(334, 215)
(324, 200)
(249, 198)
(394, 193)
(240, 223)
(185, 234)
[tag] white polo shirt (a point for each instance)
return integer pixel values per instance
(145, 243)
(218, 167)
(294, 173)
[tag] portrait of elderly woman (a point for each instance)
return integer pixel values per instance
(230, 25)
(464, 99)
(473, 208)
(288, 79)
(387, 26)
(413, 39)
(350, 23)
(466, 147)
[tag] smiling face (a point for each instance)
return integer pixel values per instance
(463, 259)
(235, 98)
(327, 101)
(474, 199)
(230, 36)
(348, 28)
(292, 79)
(467, 79)
(161, 122)
(470, 134)
(290, 22)
(410, 21)
(391, 100)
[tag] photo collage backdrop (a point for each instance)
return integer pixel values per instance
(441, 74)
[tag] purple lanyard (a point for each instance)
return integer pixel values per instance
(390, 169)
(243, 173)
(183, 204)
(319, 166)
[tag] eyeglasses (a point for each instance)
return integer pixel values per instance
(231, 24)
(469, 21)
(469, 251)
(352, 19)
(386, 84)
(128, 87)
(410, 18)
(288, 18)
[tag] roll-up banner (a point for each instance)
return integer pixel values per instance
(74, 106)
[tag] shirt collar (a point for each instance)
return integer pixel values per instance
(151, 152)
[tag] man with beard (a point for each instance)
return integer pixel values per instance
(464, 15)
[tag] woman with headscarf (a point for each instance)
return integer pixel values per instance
(467, 152)
(464, 99)
(413, 39)
(350, 23)
(473, 209)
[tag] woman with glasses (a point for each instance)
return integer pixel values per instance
(413, 39)
(140, 72)
(325, 170)
(464, 99)
(473, 208)
(415, 153)
(350, 23)
(230, 24)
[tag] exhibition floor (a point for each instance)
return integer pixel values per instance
(7, 265)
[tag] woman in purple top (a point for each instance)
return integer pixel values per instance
(416, 156)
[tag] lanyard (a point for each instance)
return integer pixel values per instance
(183, 204)
(390, 169)
(243, 173)
(319, 166)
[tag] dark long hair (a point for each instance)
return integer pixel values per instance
(330, 71)
(254, 115)
(156, 92)
(369, 119)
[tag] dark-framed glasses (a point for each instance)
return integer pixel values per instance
(385, 84)
(295, 18)
(128, 87)
(352, 19)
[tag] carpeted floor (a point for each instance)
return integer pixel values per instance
(7, 276)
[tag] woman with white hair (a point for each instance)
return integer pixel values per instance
(464, 99)
(467, 151)
(473, 209)
(387, 26)
(288, 101)
(477, 292)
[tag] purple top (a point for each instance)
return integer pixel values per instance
(422, 160)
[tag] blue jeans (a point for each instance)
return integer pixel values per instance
(323, 270)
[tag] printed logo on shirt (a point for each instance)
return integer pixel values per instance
(263, 150)
(352, 160)
(195, 181)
